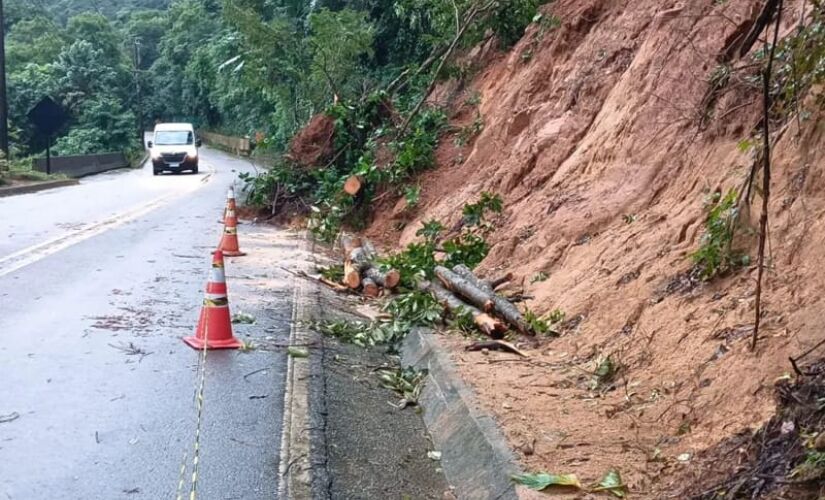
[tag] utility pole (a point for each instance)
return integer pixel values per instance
(138, 94)
(4, 104)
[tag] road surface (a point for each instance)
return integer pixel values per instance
(98, 283)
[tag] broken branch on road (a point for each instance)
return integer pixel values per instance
(131, 349)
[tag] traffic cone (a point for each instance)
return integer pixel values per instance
(215, 324)
(230, 203)
(229, 241)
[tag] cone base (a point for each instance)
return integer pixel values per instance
(233, 253)
(196, 343)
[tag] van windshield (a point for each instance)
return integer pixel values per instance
(173, 138)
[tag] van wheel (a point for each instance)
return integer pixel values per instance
(195, 170)
(155, 172)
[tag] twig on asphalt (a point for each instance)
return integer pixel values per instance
(259, 370)
(11, 417)
(131, 350)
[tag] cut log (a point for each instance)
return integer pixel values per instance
(466, 288)
(361, 257)
(357, 261)
(352, 276)
(350, 243)
(483, 321)
(389, 279)
(370, 288)
(496, 345)
(353, 184)
(481, 294)
(486, 285)
(466, 273)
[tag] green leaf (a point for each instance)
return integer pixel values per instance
(612, 483)
(544, 480)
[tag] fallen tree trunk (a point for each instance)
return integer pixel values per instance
(483, 321)
(488, 286)
(389, 279)
(370, 288)
(357, 261)
(466, 288)
(481, 294)
(352, 275)
(466, 273)
(350, 243)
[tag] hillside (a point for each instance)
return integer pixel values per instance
(606, 133)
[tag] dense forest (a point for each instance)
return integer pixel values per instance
(240, 66)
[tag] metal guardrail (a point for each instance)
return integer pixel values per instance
(82, 165)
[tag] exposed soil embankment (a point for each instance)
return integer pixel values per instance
(604, 136)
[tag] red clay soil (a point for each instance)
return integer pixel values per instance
(313, 145)
(596, 145)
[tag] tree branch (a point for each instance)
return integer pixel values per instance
(468, 21)
(766, 173)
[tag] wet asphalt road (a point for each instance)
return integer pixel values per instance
(91, 274)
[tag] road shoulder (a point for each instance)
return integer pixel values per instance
(35, 186)
(345, 438)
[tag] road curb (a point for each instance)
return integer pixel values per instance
(300, 427)
(33, 188)
(475, 456)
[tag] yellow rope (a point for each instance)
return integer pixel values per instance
(196, 446)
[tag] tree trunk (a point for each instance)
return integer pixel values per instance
(353, 184)
(357, 261)
(466, 273)
(466, 288)
(370, 288)
(389, 279)
(352, 275)
(360, 256)
(481, 294)
(350, 243)
(486, 285)
(486, 323)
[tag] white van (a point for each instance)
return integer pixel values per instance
(174, 148)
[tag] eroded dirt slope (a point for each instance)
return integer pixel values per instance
(600, 136)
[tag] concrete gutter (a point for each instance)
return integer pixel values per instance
(475, 456)
(36, 186)
(300, 436)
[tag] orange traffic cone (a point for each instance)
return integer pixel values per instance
(215, 325)
(230, 203)
(229, 241)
